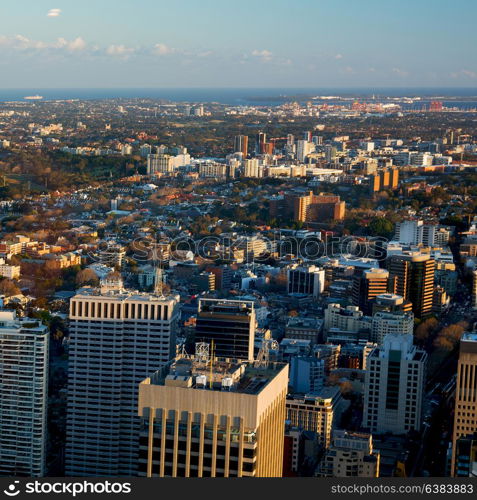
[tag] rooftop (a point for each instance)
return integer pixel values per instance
(216, 374)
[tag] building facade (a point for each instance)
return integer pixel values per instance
(117, 337)
(23, 396)
(213, 417)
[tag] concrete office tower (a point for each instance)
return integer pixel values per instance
(384, 323)
(350, 455)
(23, 395)
(213, 417)
(309, 280)
(465, 415)
(394, 385)
(414, 274)
(316, 412)
(118, 337)
(228, 324)
(241, 145)
(368, 286)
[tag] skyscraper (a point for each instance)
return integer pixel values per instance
(118, 337)
(23, 395)
(367, 286)
(241, 145)
(309, 280)
(414, 274)
(229, 324)
(394, 386)
(261, 141)
(213, 417)
(465, 414)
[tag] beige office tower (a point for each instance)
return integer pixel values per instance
(224, 420)
(465, 415)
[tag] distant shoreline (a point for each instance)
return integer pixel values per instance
(239, 96)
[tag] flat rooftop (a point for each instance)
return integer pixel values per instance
(218, 374)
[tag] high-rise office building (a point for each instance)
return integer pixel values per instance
(351, 454)
(241, 145)
(117, 338)
(228, 324)
(394, 386)
(309, 280)
(465, 414)
(414, 274)
(213, 417)
(261, 142)
(23, 395)
(367, 286)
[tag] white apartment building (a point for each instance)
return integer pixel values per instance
(208, 170)
(385, 323)
(23, 395)
(118, 338)
(394, 386)
(417, 232)
(160, 164)
(10, 272)
(252, 168)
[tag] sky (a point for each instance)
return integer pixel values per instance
(244, 43)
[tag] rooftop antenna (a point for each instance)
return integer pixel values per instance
(202, 352)
(263, 357)
(211, 364)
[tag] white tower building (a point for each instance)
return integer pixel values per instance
(394, 386)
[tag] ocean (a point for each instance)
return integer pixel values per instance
(245, 96)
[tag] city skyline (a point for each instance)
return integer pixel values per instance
(304, 44)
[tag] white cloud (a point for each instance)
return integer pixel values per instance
(119, 50)
(399, 72)
(339, 56)
(161, 49)
(23, 43)
(74, 45)
(467, 73)
(264, 55)
(54, 12)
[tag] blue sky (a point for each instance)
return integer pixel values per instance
(244, 43)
